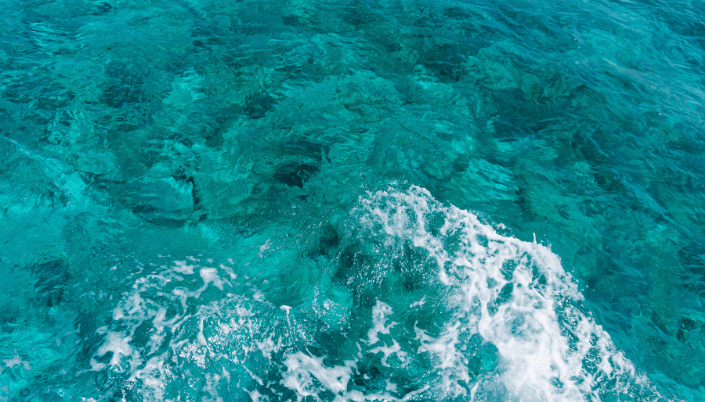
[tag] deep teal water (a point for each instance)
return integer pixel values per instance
(352, 200)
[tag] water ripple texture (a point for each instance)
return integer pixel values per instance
(393, 200)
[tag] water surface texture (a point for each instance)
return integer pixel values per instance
(301, 200)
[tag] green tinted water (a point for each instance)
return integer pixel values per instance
(351, 200)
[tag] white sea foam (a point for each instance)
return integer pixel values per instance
(379, 322)
(224, 328)
(511, 298)
(542, 338)
(302, 368)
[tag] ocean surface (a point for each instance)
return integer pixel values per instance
(352, 200)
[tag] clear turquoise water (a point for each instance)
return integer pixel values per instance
(352, 200)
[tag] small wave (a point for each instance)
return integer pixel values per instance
(516, 296)
(459, 313)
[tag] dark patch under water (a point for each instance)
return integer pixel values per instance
(192, 200)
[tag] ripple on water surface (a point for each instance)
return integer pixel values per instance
(259, 200)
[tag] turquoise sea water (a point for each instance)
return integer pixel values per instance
(407, 200)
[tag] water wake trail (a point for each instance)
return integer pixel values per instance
(459, 312)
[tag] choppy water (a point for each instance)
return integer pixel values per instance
(352, 200)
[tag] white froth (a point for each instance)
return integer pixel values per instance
(302, 368)
(379, 317)
(255, 395)
(392, 387)
(182, 267)
(418, 303)
(268, 346)
(524, 326)
(16, 360)
(171, 340)
(387, 351)
(211, 275)
(119, 344)
(264, 248)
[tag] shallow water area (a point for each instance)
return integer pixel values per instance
(353, 200)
